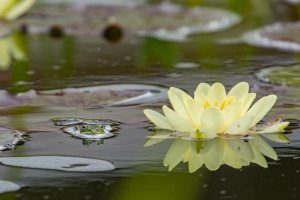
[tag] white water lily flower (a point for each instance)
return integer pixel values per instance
(12, 9)
(213, 112)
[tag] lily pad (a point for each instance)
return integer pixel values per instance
(293, 1)
(282, 36)
(61, 163)
(87, 97)
(281, 75)
(8, 186)
(93, 18)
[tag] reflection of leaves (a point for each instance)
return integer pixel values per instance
(157, 137)
(263, 146)
(241, 148)
(176, 153)
(202, 147)
(11, 47)
(213, 158)
(277, 137)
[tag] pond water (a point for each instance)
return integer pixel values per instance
(127, 169)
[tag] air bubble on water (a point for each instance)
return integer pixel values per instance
(186, 65)
(31, 72)
(56, 67)
(127, 58)
(223, 191)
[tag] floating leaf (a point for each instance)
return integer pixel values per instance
(165, 21)
(282, 36)
(61, 163)
(87, 97)
(281, 75)
(7, 186)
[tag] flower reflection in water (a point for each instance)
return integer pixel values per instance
(234, 152)
(11, 48)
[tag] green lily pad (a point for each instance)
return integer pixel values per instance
(281, 75)
(94, 18)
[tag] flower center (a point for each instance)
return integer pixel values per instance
(226, 102)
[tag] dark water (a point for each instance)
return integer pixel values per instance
(140, 174)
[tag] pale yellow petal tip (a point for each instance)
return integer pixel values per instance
(273, 98)
(283, 126)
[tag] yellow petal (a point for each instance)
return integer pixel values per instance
(176, 151)
(158, 119)
(270, 101)
(240, 126)
(186, 98)
(195, 161)
(178, 105)
(203, 88)
(276, 128)
(213, 158)
(202, 133)
(178, 122)
(259, 158)
(246, 102)
(6, 5)
(263, 146)
(277, 137)
(231, 159)
(239, 90)
(241, 148)
(255, 109)
(212, 118)
(19, 9)
(195, 110)
(200, 98)
(157, 137)
(261, 108)
(178, 92)
(216, 94)
(230, 114)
